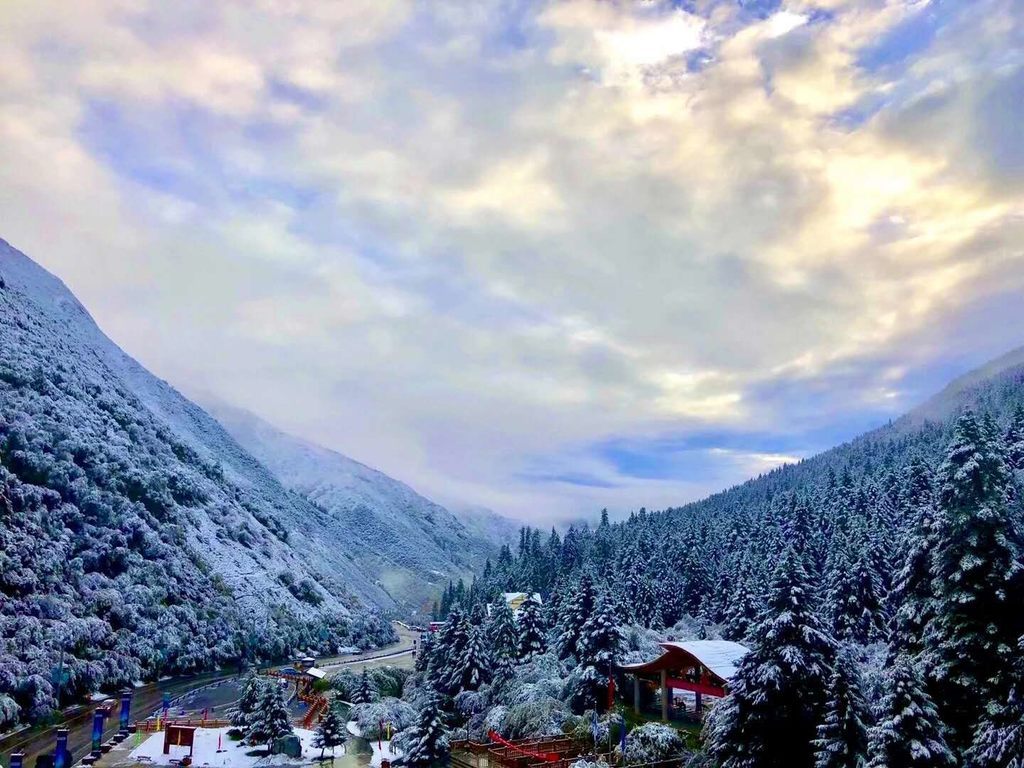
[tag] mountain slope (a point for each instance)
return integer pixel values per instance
(853, 513)
(411, 545)
(996, 389)
(136, 532)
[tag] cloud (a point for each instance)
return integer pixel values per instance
(476, 246)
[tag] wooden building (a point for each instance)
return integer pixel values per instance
(702, 667)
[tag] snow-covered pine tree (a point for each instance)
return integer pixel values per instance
(999, 742)
(270, 721)
(853, 603)
(869, 625)
(531, 631)
(428, 740)
(743, 608)
(502, 633)
(977, 573)
(423, 653)
(839, 608)
(456, 653)
(779, 692)
(843, 734)
(908, 732)
(449, 644)
(363, 693)
(473, 668)
(912, 600)
(1013, 439)
(643, 602)
(668, 590)
(248, 702)
(600, 643)
(576, 611)
(330, 732)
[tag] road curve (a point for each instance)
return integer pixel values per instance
(78, 719)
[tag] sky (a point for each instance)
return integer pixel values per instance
(537, 257)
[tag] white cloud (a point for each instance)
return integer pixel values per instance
(468, 239)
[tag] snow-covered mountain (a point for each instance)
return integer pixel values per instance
(995, 386)
(140, 536)
(488, 525)
(409, 544)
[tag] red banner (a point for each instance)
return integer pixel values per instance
(547, 757)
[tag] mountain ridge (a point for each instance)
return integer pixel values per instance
(391, 515)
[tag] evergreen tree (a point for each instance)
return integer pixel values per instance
(778, 695)
(843, 734)
(424, 652)
(428, 742)
(743, 607)
(449, 646)
(841, 609)
(531, 631)
(472, 669)
(270, 721)
(502, 631)
(668, 590)
(999, 742)
(1013, 439)
(364, 693)
(330, 732)
(868, 625)
(977, 571)
(642, 601)
(575, 613)
(600, 644)
(248, 702)
(909, 733)
(912, 600)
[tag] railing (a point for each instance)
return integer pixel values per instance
(574, 750)
(151, 725)
(317, 706)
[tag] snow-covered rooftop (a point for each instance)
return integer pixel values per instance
(316, 672)
(720, 656)
(515, 600)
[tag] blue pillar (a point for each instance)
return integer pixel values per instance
(17, 759)
(126, 709)
(98, 717)
(167, 704)
(60, 754)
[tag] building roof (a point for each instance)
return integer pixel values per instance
(515, 600)
(316, 672)
(721, 657)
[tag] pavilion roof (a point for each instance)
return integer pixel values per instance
(720, 657)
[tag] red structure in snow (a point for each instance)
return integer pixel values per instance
(542, 752)
(702, 667)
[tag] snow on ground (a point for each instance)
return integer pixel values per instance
(382, 752)
(150, 751)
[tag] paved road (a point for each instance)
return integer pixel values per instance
(148, 698)
(78, 720)
(397, 654)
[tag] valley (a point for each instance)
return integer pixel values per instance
(146, 538)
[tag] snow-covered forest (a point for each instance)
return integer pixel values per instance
(128, 548)
(879, 586)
